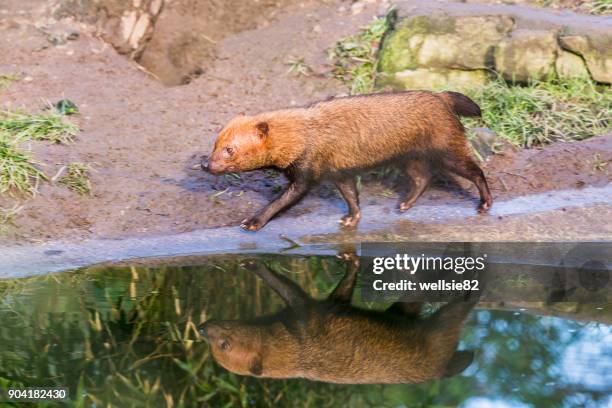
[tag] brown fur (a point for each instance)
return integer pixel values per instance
(415, 130)
(334, 342)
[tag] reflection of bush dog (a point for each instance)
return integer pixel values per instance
(418, 131)
(329, 340)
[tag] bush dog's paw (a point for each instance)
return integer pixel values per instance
(350, 220)
(252, 224)
(349, 257)
(249, 264)
(403, 207)
(484, 207)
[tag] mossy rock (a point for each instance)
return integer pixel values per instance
(526, 55)
(435, 79)
(570, 65)
(596, 51)
(443, 42)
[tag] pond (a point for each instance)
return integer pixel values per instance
(135, 335)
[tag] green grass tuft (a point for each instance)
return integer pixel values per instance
(17, 171)
(48, 126)
(7, 79)
(6, 216)
(298, 67)
(543, 112)
(77, 178)
(355, 58)
(601, 7)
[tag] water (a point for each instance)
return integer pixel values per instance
(132, 336)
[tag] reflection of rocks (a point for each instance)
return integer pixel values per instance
(457, 46)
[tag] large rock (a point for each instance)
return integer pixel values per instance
(527, 54)
(596, 51)
(436, 78)
(462, 42)
(570, 65)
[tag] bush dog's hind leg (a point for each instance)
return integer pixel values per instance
(348, 188)
(465, 167)
(412, 309)
(419, 175)
(296, 190)
(288, 290)
(344, 290)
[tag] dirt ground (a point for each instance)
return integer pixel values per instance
(146, 140)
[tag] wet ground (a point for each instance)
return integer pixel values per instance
(565, 215)
(134, 333)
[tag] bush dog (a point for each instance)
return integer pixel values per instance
(332, 341)
(418, 131)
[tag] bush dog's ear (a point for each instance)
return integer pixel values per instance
(262, 129)
(255, 366)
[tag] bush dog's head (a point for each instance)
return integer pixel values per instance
(240, 146)
(237, 347)
(248, 348)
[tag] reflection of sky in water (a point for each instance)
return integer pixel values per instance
(588, 361)
(481, 402)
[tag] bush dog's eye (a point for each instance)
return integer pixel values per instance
(225, 345)
(229, 150)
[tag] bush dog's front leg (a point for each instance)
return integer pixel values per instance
(296, 190)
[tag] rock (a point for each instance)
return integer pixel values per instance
(424, 78)
(570, 65)
(527, 54)
(597, 52)
(464, 42)
(487, 143)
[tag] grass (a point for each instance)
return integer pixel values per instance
(355, 58)
(543, 112)
(298, 67)
(7, 79)
(50, 126)
(77, 178)
(599, 7)
(6, 216)
(17, 171)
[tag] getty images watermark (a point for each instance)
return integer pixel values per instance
(550, 272)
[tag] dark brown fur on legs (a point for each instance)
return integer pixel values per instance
(330, 340)
(348, 189)
(342, 137)
(419, 175)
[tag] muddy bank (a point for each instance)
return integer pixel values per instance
(145, 140)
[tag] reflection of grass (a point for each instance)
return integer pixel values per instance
(543, 112)
(355, 58)
(77, 178)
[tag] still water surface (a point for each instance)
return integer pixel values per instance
(134, 336)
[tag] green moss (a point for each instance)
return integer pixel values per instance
(398, 54)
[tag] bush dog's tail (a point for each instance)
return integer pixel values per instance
(460, 104)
